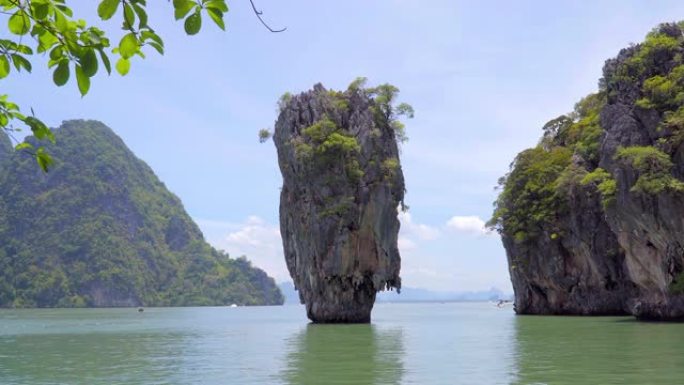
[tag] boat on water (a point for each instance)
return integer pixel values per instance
(502, 303)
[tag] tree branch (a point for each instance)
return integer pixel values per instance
(259, 13)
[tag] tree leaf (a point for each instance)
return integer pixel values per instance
(107, 9)
(156, 46)
(217, 16)
(39, 129)
(217, 4)
(129, 16)
(83, 80)
(19, 23)
(57, 53)
(23, 146)
(40, 10)
(26, 50)
(4, 66)
(44, 159)
(66, 10)
(123, 65)
(105, 61)
(61, 23)
(21, 62)
(149, 35)
(193, 23)
(142, 15)
(89, 62)
(61, 74)
(128, 45)
(182, 8)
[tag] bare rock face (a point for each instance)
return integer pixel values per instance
(592, 219)
(648, 218)
(581, 272)
(342, 184)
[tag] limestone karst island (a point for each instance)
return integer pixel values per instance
(592, 218)
(350, 192)
(342, 186)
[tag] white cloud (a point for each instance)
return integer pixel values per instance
(410, 229)
(429, 260)
(255, 238)
(406, 244)
(412, 233)
(471, 224)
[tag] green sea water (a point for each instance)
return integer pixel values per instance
(453, 343)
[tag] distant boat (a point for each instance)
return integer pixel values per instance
(233, 305)
(503, 303)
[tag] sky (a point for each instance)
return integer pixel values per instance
(482, 76)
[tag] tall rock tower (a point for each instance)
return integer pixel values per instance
(342, 186)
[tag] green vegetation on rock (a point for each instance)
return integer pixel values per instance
(602, 192)
(604, 182)
(654, 168)
(534, 193)
(326, 145)
(567, 157)
(100, 229)
(530, 200)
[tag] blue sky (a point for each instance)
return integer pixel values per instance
(483, 77)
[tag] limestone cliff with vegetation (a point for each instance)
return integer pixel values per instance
(342, 186)
(592, 218)
(100, 229)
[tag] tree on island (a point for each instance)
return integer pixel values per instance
(76, 49)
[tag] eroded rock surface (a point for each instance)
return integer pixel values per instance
(342, 184)
(592, 219)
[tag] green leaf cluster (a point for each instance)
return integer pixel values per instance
(76, 50)
(646, 60)
(604, 182)
(386, 112)
(534, 193)
(579, 130)
(264, 135)
(530, 201)
(326, 145)
(390, 166)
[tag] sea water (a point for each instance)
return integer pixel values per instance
(408, 343)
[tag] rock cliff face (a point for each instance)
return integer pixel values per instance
(342, 184)
(592, 219)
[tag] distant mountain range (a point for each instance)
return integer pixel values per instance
(411, 294)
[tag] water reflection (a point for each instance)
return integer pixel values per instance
(345, 354)
(603, 350)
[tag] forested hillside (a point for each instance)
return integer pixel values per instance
(100, 229)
